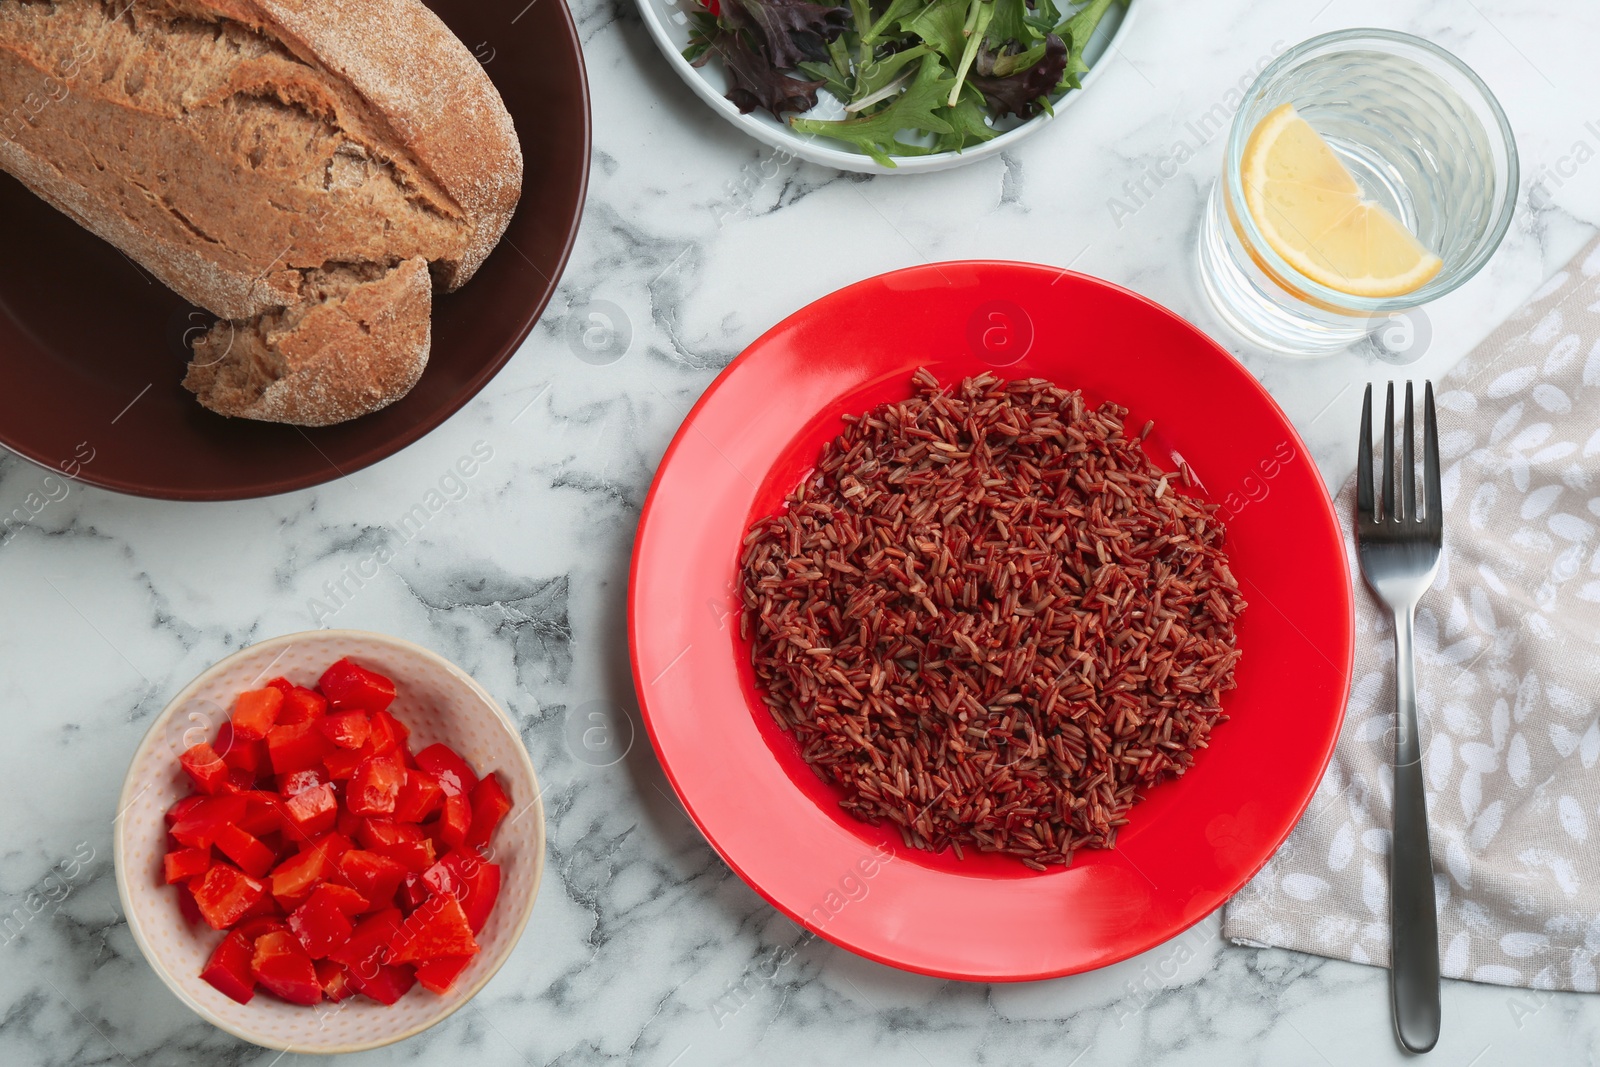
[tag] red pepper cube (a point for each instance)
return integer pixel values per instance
(295, 878)
(204, 767)
(263, 813)
(283, 968)
(256, 926)
(350, 824)
(247, 756)
(438, 928)
(413, 893)
(348, 685)
(439, 974)
(186, 905)
(375, 786)
(489, 805)
(319, 924)
(183, 805)
(374, 876)
(255, 712)
(229, 968)
(299, 781)
(387, 985)
(343, 897)
(341, 763)
(389, 736)
(368, 946)
(346, 729)
(296, 747)
(299, 703)
(455, 820)
(455, 776)
(254, 858)
(312, 812)
(224, 893)
(335, 980)
(185, 863)
(399, 841)
(419, 796)
(200, 823)
(265, 908)
(470, 880)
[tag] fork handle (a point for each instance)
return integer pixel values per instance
(1413, 922)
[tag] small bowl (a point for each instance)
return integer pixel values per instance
(438, 702)
(668, 23)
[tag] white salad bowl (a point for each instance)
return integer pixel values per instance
(668, 22)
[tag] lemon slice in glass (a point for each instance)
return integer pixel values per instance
(1311, 211)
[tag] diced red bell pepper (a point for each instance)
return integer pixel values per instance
(419, 796)
(455, 776)
(296, 747)
(413, 893)
(375, 786)
(263, 813)
(368, 946)
(199, 825)
(204, 767)
(341, 763)
(346, 899)
(439, 974)
(469, 879)
(254, 858)
(303, 705)
(389, 736)
(350, 825)
(319, 924)
(333, 845)
(183, 805)
(282, 966)
(489, 805)
(346, 729)
(237, 781)
(312, 812)
(299, 781)
(335, 980)
(438, 928)
(255, 712)
(224, 893)
(185, 863)
(247, 756)
(229, 968)
(348, 685)
(399, 841)
(455, 820)
(387, 985)
(295, 878)
(374, 876)
(265, 908)
(256, 926)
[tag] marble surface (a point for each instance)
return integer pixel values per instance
(644, 948)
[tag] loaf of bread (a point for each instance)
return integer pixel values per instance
(307, 170)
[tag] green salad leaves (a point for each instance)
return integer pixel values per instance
(914, 76)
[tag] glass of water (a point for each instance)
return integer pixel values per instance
(1434, 171)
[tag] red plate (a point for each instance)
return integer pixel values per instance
(1192, 842)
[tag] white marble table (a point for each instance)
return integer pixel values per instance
(641, 931)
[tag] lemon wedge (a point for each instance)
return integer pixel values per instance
(1309, 208)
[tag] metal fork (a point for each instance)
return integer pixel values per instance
(1399, 550)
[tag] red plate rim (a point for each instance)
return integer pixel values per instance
(1205, 901)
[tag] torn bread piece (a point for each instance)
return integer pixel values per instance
(357, 341)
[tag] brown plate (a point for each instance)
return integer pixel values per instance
(92, 348)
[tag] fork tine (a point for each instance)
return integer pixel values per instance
(1388, 455)
(1408, 465)
(1430, 461)
(1364, 510)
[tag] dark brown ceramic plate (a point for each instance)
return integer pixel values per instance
(92, 348)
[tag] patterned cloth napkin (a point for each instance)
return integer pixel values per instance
(1508, 655)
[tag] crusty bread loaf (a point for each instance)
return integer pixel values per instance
(247, 151)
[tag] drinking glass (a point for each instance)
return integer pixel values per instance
(1422, 136)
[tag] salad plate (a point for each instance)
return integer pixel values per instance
(1192, 841)
(673, 26)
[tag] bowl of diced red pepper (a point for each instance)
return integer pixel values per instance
(329, 841)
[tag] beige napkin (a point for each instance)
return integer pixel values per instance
(1508, 679)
